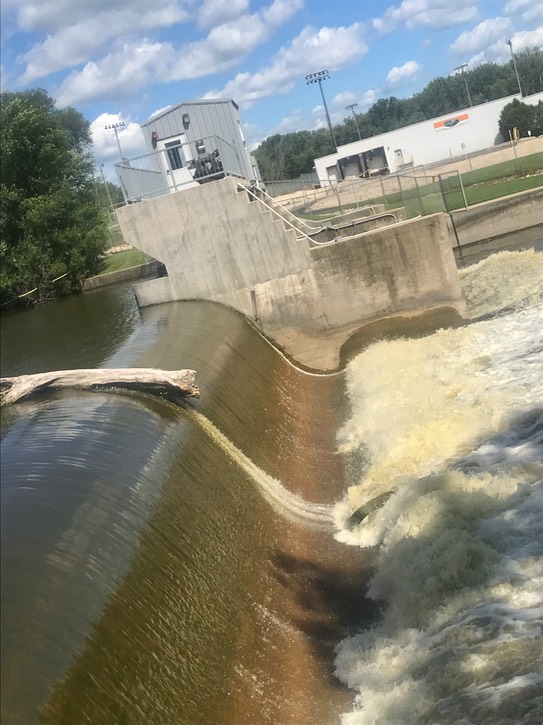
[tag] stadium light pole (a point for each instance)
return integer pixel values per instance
(351, 108)
(106, 185)
(115, 126)
(318, 77)
(462, 68)
(510, 44)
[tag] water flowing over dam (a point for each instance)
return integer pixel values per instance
(201, 564)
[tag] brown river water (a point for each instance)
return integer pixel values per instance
(194, 564)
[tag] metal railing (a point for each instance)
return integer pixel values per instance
(299, 233)
(419, 191)
(178, 166)
(284, 210)
(255, 193)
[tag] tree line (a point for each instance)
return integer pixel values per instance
(287, 156)
(53, 219)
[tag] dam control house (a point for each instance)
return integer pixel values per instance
(188, 144)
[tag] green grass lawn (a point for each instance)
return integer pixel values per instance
(122, 260)
(515, 168)
(485, 184)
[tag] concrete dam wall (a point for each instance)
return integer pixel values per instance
(218, 244)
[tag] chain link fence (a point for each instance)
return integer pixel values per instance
(419, 192)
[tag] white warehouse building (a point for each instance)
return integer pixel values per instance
(437, 139)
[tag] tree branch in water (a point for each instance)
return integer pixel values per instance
(174, 384)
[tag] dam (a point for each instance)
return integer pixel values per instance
(308, 286)
(201, 563)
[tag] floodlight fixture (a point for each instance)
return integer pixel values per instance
(114, 127)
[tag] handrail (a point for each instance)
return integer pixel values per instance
(349, 211)
(316, 231)
(340, 238)
(284, 208)
(274, 211)
(382, 215)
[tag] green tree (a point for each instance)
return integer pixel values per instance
(517, 115)
(51, 225)
(537, 128)
(530, 70)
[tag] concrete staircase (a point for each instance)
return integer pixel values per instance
(348, 224)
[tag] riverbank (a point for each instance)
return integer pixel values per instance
(140, 271)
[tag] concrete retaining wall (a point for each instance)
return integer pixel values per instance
(121, 275)
(500, 217)
(219, 246)
(405, 269)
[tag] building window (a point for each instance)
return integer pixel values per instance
(175, 154)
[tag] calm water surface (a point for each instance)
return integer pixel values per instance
(147, 574)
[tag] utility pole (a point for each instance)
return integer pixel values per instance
(351, 108)
(462, 68)
(510, 44)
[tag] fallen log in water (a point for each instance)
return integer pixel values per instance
(173, 384)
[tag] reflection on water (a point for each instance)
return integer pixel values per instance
(80, 331)
(141, 541)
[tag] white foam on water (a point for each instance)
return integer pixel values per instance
(286, 503)
(505, 279)
(452, 425)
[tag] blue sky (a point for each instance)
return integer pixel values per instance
(122, 61)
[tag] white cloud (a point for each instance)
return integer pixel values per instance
(215, 12)
(281, 10)
(228, 43)
(77, 30)
(133, 65)
(47, 16)
(160, 110)
(499, 52)
(429, 13)
(528, 10)
(528, 39)
(72, 44)
(104, 141)
(303, 55)
(406, 72)
(343, 99)
(125, 71)
(296, 121)
(482, 36)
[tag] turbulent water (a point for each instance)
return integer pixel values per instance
(451, 426)
(198, 565)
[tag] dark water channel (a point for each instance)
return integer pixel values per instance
(150, 573)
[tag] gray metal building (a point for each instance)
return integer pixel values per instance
(193, 121)
(188, 144)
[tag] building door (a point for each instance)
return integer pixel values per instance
(175, 157)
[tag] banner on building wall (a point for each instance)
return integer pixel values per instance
(451, 122)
